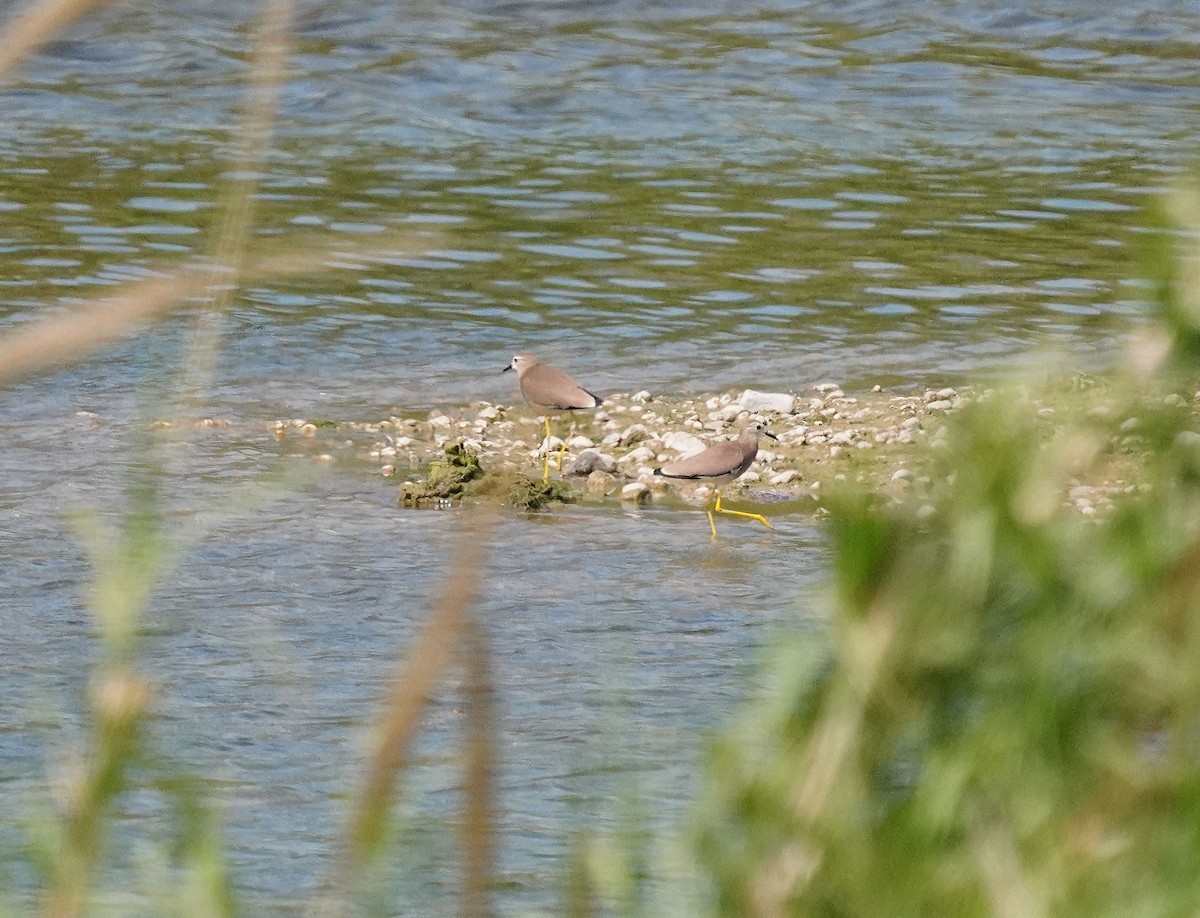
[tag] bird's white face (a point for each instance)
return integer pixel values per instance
(760, 428)
(522, 362)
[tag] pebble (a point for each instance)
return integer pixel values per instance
(941, 404)
(641, 454)
(634, 433)
(1188, 438)
(901, 475)
(640, 397)
(589, 461)
(683, 443)
(766, 402)
(600, 482)
(635, 491)
(580, 442)
(785, 477)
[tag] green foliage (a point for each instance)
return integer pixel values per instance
(1010, 718)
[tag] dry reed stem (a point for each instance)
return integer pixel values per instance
(35, 24)
(430, 655)
(253, 135)
(1008, 887)
(66, 338)
(790, 871)
(478, 837)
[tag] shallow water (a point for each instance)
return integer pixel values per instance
(898, 193)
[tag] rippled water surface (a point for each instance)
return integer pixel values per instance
(683, 198)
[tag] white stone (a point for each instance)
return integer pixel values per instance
(785, 477)
(634, 433)
(635, 490)
(901, 475)
(580, 442)
(751, 476)
(774, 402)
(643, 396)
(940, 404)
(641, 454)
(826, 387)
(843, 438)
(683, 443)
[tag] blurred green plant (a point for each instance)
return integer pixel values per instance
(1009, 721)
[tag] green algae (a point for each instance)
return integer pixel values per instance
(458, 476)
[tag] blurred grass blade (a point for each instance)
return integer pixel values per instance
(253, 136)
(431, 654)
(478, 838)
(1007, 885)
(36, 23)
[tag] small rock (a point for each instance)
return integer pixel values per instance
(751, 476)
(439, 420)
(488, 414)
(1081, 492)
(641, 454)
(941, 404)
(946, 393)
(590, 461)
(785, 477)
(634, 433)
(640, 397)
(1188, 438)
(611, 439)
(635, 491)
(776, 402)
(683, 443)
(910, 423)
(901, 475)
(843, 438)
(600, 482)
(826, 387)
(1174, 400)
(580, 442)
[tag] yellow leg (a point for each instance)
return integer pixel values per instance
(546, 465)
(563, 451)
(712, 524)
(717, 508)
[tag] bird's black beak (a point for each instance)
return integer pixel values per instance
(767, 433)
(507, 368)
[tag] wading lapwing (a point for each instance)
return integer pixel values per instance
(720, 464)
(549, 390)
